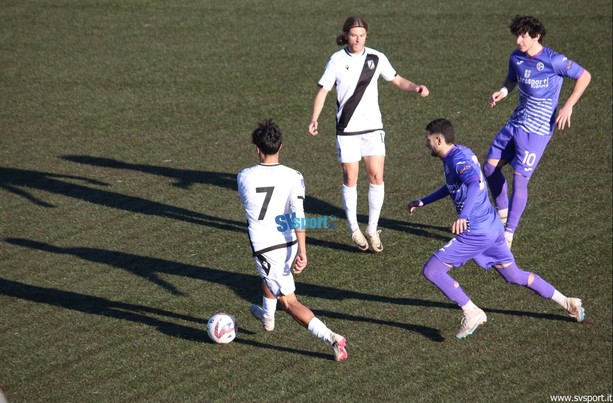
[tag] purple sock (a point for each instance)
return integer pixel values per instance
(514, 275)
(519, 199)
(436, 272)
(497, 184)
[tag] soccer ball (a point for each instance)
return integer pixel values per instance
(221, 328)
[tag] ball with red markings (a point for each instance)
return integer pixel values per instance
(221, 328)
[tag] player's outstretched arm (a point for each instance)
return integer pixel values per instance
(405, 85)
(413, 205)
(431, 198)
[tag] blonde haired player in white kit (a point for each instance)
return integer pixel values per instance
(271, 193)
(359, 127)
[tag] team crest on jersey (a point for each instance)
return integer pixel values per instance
(371, 64)
(527, 73)
(540, 66)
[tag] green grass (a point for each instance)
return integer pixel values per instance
(122, 127)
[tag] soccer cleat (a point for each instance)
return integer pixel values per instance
(575, 309)
(358, 238)
(471, 321)
(338, 345)
(508, 236)
(375, 241)
(267, 322)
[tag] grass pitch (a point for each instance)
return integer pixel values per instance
(122, 127)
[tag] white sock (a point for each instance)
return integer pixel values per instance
(469, 306)
(269, 306)
(376, 194)
(320, 330)
(559, 298)
(350, 202)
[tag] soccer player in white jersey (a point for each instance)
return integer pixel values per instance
(354, 71)
(272, 196)
(538, 72)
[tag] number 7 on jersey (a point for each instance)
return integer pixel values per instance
(268, 190)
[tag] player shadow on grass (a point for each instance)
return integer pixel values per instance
(428, 332)
(18, 181)
(246, 286)
(108, 308)
(185, 178)
(160, 319)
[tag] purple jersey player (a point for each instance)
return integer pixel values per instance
(538, 72)
(479, 233)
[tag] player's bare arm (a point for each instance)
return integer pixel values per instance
(405, 85)
(563, 118)
(318, 105)
(301, 258)
(499, 95)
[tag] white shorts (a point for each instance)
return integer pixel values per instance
(275, 267)
(351, 148)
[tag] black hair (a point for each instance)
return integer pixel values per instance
(267, 137)
(443, 127)
(523, 24)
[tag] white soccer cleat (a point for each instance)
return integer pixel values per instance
(358, 238)
(375, 241)
(471, 321)
(575, 309)
(267, 322)
(508, 236)
(338, 345)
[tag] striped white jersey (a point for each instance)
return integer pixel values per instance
(355, 77)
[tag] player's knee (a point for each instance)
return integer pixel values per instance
(286, 303)
(376, 179)
(433, 268)
(429, 272)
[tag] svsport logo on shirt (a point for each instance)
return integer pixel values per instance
(290, 221)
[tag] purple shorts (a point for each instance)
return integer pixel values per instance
(486, 250)
(522, 150)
